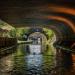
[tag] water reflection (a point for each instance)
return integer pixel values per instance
(22, 63)
(6, 65)
(35, 49)
(34, 61)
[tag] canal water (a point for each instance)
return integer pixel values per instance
(30, 60)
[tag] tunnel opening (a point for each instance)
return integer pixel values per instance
(44, 40)
(31, 60)
(38, 42)
(41, 40)
(60, 44)
(57, 16)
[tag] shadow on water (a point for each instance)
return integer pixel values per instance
(22, 62)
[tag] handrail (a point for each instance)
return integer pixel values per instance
(65, 48)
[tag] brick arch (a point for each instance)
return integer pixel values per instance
(61, 19)
(61, 9)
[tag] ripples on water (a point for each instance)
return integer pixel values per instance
(20, 63)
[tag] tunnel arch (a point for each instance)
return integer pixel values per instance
(63, 20)
(46, 8)
(46, 43)
(40, 35)
(58, 32)
(57, 28)
(60, 19)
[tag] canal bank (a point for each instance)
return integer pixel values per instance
(6, 51)
(6, 45)
(7, 42)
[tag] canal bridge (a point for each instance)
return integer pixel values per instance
(56, 15)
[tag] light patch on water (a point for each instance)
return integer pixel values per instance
(35, 49)
(34, 60)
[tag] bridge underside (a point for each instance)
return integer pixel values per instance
(56, 15)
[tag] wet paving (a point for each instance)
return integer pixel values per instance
(24, 62)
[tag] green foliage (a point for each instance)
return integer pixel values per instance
(48, 32)
(12, 33)
(20, 32)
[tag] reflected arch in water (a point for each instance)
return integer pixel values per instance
(34, 61)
